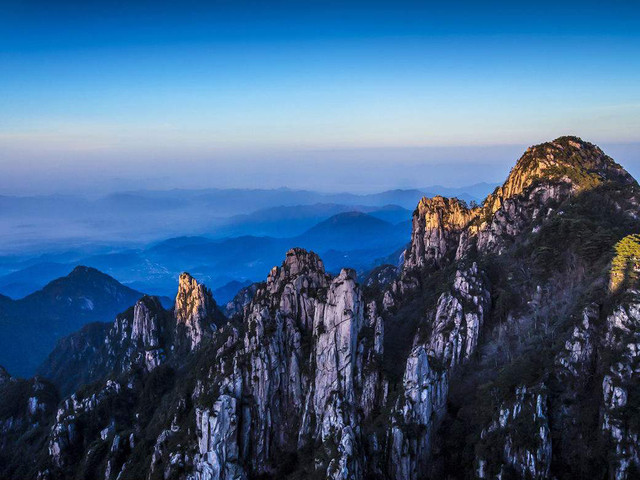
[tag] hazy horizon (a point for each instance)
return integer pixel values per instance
(354, 170)
(334, 96)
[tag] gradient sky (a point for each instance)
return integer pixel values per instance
(306, 93)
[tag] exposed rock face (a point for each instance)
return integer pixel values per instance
(622, 338)
(65, 440)
(418, 412)
(337, 324)
(459, 318)
(295, 379)
(138, 339)
(370, 382)
(516, 214)
(36, 399)
(577, 358)
(519, 439)
(437, 225)
(243, 298)
(194, 310)
(26, 409)
(218, 455)
(452, 340)
(144, 336)
(279, 320)
(136, 344)
(146, 328)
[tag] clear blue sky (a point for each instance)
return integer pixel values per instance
(236, 91)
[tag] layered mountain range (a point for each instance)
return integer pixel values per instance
(506, 346)
(30, 326)
(244, 252)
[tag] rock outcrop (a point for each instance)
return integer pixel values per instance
(418, 412)
(459, 318)
(450, 340)
(144, 336)
(36, 398)
(518, 441)
(337, 323)
(195, 312)
(620, 387)
(218, 456)
(437, 225)
(576, 360)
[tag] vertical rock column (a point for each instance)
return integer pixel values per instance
(336, 325)
(194, 311)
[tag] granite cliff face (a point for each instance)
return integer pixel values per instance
(519, 439)
(437, 225)
(506, 346)
(620, 386)
(194, 310)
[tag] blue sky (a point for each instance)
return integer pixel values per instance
(246, 92)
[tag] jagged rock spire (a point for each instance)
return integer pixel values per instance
(298, 262)
(195, 310)
(437, 223)
(146, 325)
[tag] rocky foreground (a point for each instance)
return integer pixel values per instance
(507, 346)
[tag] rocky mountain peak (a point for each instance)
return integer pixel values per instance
(550, 172)
(145, 326)
(566, 159)
(195, 310)
(442, 212)
(437, 223)
(298, 263)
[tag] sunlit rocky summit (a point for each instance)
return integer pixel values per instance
(506, 346)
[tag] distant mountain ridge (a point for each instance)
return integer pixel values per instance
(359, 237)
(51, 223)
(287, 221)
(22, 282)
(30, 327)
